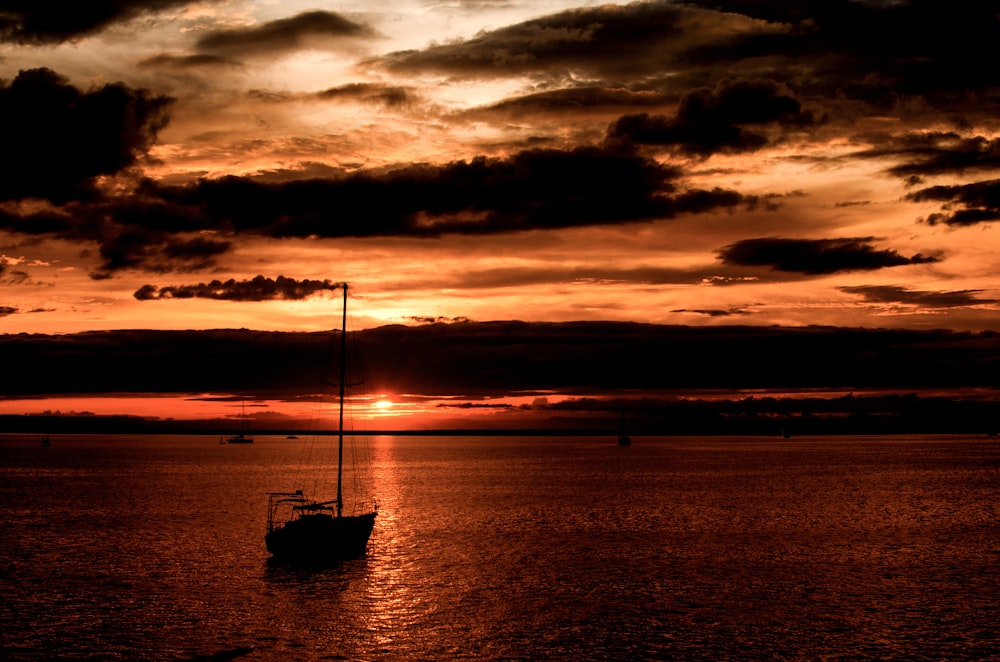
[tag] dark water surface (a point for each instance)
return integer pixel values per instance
(511, 548)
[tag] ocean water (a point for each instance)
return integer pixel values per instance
(522, 548)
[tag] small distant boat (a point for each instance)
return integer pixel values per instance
(300, 528)
(242, 437)
(623, 439)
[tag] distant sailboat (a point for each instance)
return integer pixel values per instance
(241, 437)
(301, 528)
(623, 439)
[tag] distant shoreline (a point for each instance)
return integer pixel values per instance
(749, 416)
(901, 415)
(588, 434)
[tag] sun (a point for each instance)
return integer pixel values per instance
(383, 404)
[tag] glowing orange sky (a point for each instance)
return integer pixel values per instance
(369, 412)
(767, 104)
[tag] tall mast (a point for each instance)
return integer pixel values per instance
(343, 384)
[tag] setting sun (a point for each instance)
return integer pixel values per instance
(383, 404)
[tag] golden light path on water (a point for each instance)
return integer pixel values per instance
(395, 604)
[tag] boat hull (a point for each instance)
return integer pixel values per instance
(321, 537)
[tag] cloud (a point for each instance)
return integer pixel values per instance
(608, 42)
(709, 121)
(185, 228)
(152, 250)
(937, 153)
(259, 288)
(815, 256)
(967, 204)
(58, 139)
(726, 77)
(713, 312)
(851, 53)
(18, 277)
(571, 102)
(870, 51)
(312, 28)
(388, 95)
(55, 21)
(921, 299)
(614, 272)
(185, 62)
(501, 358)
(437, 320)
(533, 189)
(40, 223)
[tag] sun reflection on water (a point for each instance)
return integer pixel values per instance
(395, 603)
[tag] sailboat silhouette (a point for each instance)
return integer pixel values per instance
(301, 528)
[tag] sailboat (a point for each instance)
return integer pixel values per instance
(241, 437)
(302, 528)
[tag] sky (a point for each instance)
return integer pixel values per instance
(178, 164)
(209, 164)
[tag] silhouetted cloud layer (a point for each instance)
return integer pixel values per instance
(502, 358)
(259, 288)
(54, 21)
(709, 121)
(842, 48)
(815, 256)
(58, 139)
(284, 34)
(65, 138)
(938, 153)
(534, 189)
(968, 204)
(388, 95)
(891, 294)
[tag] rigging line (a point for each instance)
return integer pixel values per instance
(307, 450)
(314, 447)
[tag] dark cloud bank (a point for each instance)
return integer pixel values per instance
(283, 34)
(56, 21)
(630, 363)
(61, 140)
(816, 256)
(58, 139)
(259, 288)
